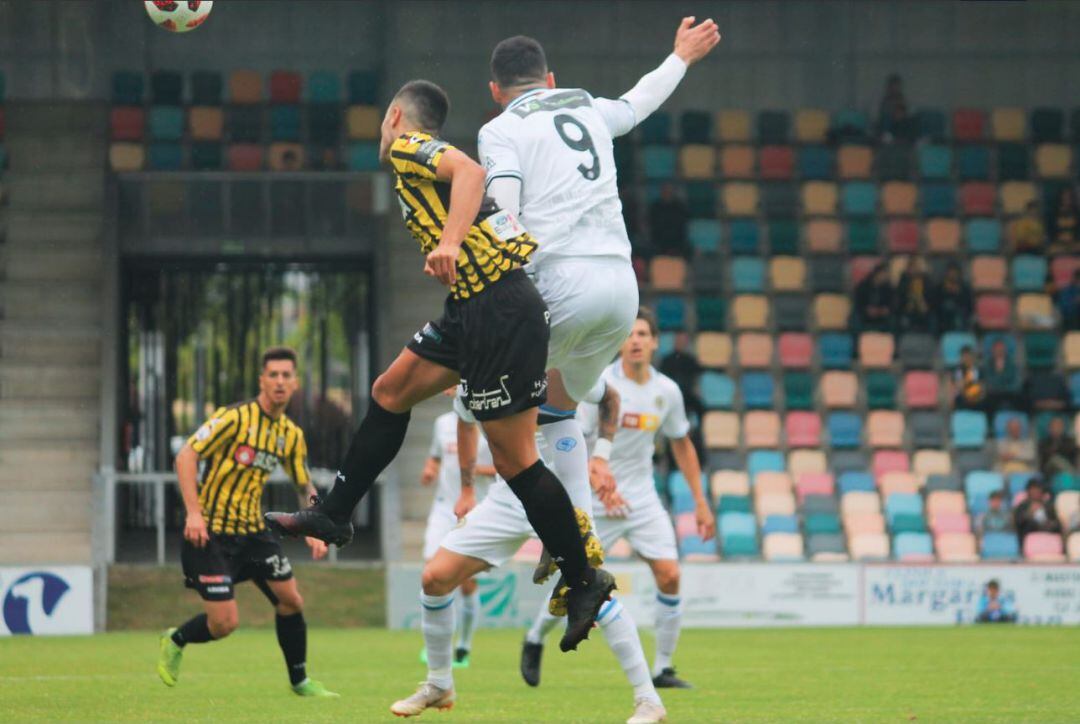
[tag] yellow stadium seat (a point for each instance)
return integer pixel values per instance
(831, 311)
(931, 462)
(819, 198)
(824, 236)
(1015, 195)
(697, 161)
(811, 125)
(125, 157)
(729, 482)
(943, 236)
(740, 198)
(720, 430)
(755, 350)
(1053, 160)
(733, 126)
(898, 198)
(854, 162)
(363, 123)
(1035, 311)
(737, 162)
(807, 460)
(787, 273)
(751, 311)
(713, 349)
(206, 123)
(1008, 124)
(1072, 350)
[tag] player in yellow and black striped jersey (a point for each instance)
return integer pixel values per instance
(225, 540)
(492, 338)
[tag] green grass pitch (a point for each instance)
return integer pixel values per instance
(1001, 674)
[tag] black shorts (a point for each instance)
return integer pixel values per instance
(226, 560)
(498, 342)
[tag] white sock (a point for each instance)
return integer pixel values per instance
(468, 611)
(570, 460)
(668, 622)
(622, 637)
(543, 624)
(437, 622)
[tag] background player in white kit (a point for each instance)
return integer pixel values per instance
(650, 404)
(549, 160)
(489, 536)
(442, 466)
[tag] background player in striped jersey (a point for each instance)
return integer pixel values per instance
(225, 540)
(650, 404)
(451, 478)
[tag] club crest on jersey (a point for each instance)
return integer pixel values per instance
(245, 455)
(566, 444)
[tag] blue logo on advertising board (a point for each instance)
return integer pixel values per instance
(40, 589)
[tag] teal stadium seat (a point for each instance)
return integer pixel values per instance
(780, 200)
(1000, 547)
(324, 124)
(927, 429)
(968, 428)
(848, 461)
(1029, 273)
(244, 124)
(1002, 420)
(859, 198)
(363, 88)
(950, 482)
(659, 162)
(894, 162)
(863, 236)
(747, 274)
(902, 504)
(850, 125)
(912, 544)
(813, 504)
(671, 313)
(761, 461)
(166, 123)
(983, 236)
(1017, 482)
(908, 523)
(696, 127)
(705, 234)
(798, 390)
(127, 88)
(1064, 482)
(324, 86)
(978, 485)
(935, 162)
(656, 128)
(167, 88)
(1073, 382)
(845, 429)
(973, 163)
(757, 390)
(816, 163)
(745, 237)
(693, 545)
(711, 313)
(207, 156)
(856, 481)
(952, 343)
(931, 124)
(836, 351)
(285, 123)
(164, 156)
(880, 390)
(783, 237)
(717, 390)
(1047, 125)
(817, 523)
(780, 524)
(1013, 162)
(773, 127)
(734, 505)
(364, 156)
(701, 199)
(667, 344)
(830, 543)
(937, 199)
(206, 88)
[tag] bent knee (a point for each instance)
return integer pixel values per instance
(222, 626)
(437, 581)
(290, 605)
(384, 392)
(667, 578)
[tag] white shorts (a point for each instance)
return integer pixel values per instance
(441, 520)
(493, 531)
(593, 304)
(648, 531)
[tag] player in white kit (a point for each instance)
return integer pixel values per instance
(442, 469)
(488, 537)
(549, 159)
(650, 404)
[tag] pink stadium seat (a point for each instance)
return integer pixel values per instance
(861, 266)
(814, 484)
(285, 87)
(127, 124)
(1045, 547)
(969, 124)
(777, 163)
(942, 236)
(921, 389)
(887, 461)
(782, 547)
(876, 349)
(988, 273)
(803, 429)
(940, 502)
(823, 236)
(869, 546)
(1062, 269)
(762, 429)
(898, 481)
(993, 311)
(957, 548)
(978, 198)
(854, 162)
(839, 389)
(754, 350)
(885, 428)
(772, 482)
(903, 236)
(737, 162)
(796, 350)
(944, 523)
(245, 157)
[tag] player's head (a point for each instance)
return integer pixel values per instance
(639, 347)
(278, 380)
(420, 105)
(993, 587)
(518, 64)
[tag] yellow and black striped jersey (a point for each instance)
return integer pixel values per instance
(242, 445)
(496, 242)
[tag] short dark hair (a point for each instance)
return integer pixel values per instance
(276, 353)
(967, 349)
(517, 61)
(428, 103)
(650, 318)
(997, 495)
(993, 583)
(1033, 483)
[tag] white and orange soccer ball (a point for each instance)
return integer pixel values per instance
(179, 16)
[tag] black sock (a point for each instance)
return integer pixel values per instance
(292, 638)
(374, 446)
(551, 515)
(195, 631)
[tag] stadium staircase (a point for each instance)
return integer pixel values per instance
(50, 330)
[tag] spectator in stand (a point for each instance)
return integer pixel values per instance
(1062, 223)
(969, 392)
(1068, 303)
(894, 121)
(668, 219)
(874, 301)
(683, 367)
(993, 608)
(1035, 514)
(1027, 231)
(1001, 378)
(1057, 452)
(953, 301)
(914, 297)
(1016, 451)
(996, 519)
(1046, 391)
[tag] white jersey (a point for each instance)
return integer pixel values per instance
(444, 449)
(644, 410)
(558, 144)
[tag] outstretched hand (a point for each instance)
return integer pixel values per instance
(692, 43)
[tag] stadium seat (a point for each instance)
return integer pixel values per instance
(668, 273)
(993, 311)
(717, 390)
(902, 236)
(917, 350)
(885, 428)
(968, 125)
(1041, 350)
(816, 163)
(899, 198)
(826, 547)
(855, 481)
(859, 502)
(363, 156)
(845, 430)
(732, 126)
(285, 87)
(863, 236)
(286, 156)
(789, 312)
(898, 482)
(858, 198)
(773, 482)
(1064, 482)
(869, 547)
(988, 273)
(1014, 196)
(1053, 160)
(1017, 482)
(978, 198)
(831, 312)
(1062, 269)
(729, 504)
(362, 123)
(123, 157)
(1029, 273)
(747, 274)
(693, 548)
(912, 547)
(937, 199)
(1013, 164)
(854, 162)
(942, 236)
(773, 127)
(245, 157)
(1035, 311)
(802, 429)
(206, 124)
(927, 429)
(888, 461)
(659, 162)
(1073, 547)
(207, 156)
(324, 87)
(970, 460)
(713, 349)
(780, 203)
(729, 482)
(835, 351)
(671, 313)
(931, 124)
(935, 162)
(750, 312)
(827, 274)
(952, 343)
(811, 125)
(983, 236)
(807, 461)
(968, 428)
(894, 162)
(787, 274)
(1044, 548)
(876, 349)
(950, 481)
(1007, 124)
(757, 390)
(245, 87)
(814, 484)
(973, 163)
(285, 123)
(821, 523)
(695, 127)
(363, 87)
(1000, 546)
(1047, 125)
(711, 313)
(979, 484)
(776, 163)
(167, 88)
(956, 548)
(754, 350)
(166, 123)
(921, 389)
(761, 429)
(823, 236)
(798, 390)
(697, 161)
(839, 389)
(737, 162)
(127, 88)
(704, 234)
(740, 199)
(902, 504)
(759, 461)
(846, 461)
(768, 504)
(127, 124)
(1072, 350)
(783, 547)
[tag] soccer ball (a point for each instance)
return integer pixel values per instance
(178, 16)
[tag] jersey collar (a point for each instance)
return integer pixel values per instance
(523, 96)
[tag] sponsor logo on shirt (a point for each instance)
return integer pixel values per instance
(639, 421)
